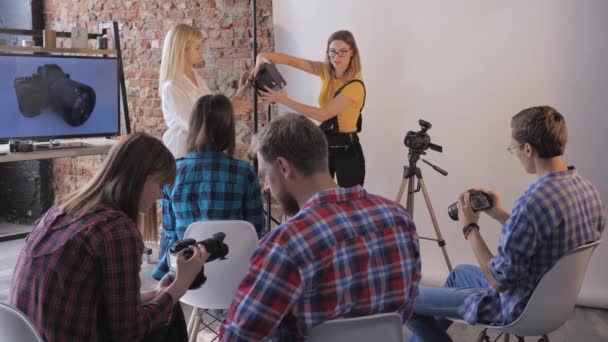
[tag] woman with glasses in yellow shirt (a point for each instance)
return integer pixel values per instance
(341, 100)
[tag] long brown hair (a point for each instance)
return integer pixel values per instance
(120, 182)
(212, 125)
(354, 66)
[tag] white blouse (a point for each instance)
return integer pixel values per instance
(178, 98)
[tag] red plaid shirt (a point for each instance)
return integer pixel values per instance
(347, 253)
(77, 279)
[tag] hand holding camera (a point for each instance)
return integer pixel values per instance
(472, 201)
(187, 249)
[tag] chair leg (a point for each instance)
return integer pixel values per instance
(197, 324)
(545, 338)
(520, 339)
(507, 337)
(483, 336)
(191, 320)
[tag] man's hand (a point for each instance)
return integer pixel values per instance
(497, 211)
(465, 212)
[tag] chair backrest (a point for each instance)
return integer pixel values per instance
(555, 295)
(223, 276)
(15, 326)
(384, 327)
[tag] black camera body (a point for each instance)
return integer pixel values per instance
(21, 145)
(214, 245)
(268, 76)
(421, 141)
(52, 88)
(479, 201)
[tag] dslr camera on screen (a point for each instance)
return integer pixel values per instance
(214, 245)
(50, 87)
(268, 76)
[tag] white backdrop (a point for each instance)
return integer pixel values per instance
(467, 67)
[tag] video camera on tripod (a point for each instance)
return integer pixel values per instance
(420, 141)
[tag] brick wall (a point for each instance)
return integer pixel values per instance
(226, 27)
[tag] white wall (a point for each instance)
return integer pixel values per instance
(467, 67)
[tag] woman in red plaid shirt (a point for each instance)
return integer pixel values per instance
(77, 277)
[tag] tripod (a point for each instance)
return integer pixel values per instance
(409, 172)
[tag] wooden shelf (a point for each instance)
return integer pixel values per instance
(92, 146)
(11, 48)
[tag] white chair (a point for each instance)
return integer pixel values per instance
(384, 327)
(223, 276)
(553, 299)
(15, 326)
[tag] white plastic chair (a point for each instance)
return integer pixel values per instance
(553, 299)
(15, 326)
(385, 327)
(223, 276)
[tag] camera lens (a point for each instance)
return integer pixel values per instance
(453, 211)
(74, 101)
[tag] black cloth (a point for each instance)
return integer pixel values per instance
(175, 331)
(347, 164)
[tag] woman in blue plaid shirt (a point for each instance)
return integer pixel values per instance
(210, 184)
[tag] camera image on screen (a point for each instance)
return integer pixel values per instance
(479, 201)
(50, 87)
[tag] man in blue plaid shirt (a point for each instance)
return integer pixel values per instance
(559, 212)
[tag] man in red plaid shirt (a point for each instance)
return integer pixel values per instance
(343, 252)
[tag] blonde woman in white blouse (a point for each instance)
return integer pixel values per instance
(180, 87)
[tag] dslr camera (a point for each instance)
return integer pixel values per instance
(420, 141)
(268, 76)
(214, 245)
(479, 201)
(52, 88)
(21, 145)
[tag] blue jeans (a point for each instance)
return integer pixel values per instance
(434, 305)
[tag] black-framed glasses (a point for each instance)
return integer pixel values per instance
(339, 53)
(512, 147)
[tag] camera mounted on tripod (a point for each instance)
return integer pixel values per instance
(420, 141)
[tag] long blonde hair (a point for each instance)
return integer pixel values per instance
(354, 67)
(174, 48)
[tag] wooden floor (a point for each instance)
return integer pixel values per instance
(584, 325)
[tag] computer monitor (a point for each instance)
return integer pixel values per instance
(45, 97)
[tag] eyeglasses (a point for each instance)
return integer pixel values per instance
(512, 147)
(339, 53)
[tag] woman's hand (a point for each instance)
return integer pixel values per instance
(241, 108)
(261, 59)
(278, 96)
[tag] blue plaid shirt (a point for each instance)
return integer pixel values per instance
(558, 213)
(208, 186)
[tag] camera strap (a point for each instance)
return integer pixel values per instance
(331, 126)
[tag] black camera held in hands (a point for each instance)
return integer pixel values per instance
(52, 88)
(268, 76)
(479, 201)
(214, 245)
(421, 141)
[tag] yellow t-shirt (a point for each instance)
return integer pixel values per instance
(347, 119)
